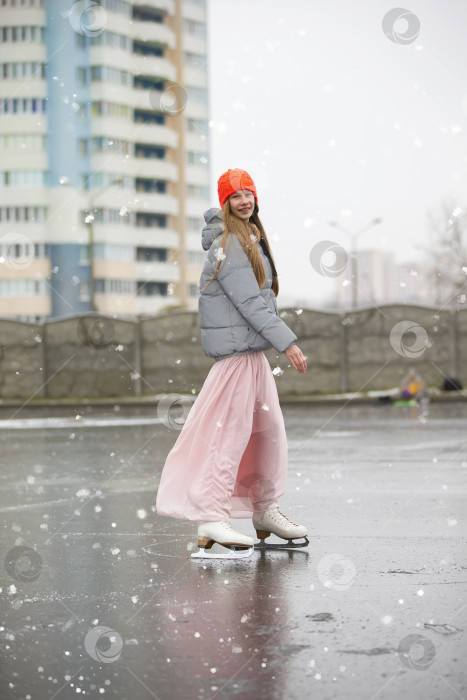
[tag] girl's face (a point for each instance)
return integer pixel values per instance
(242, 204)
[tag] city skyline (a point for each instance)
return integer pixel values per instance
(335, 121)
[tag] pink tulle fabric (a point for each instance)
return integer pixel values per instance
(230, 458)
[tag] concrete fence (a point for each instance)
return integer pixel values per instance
(102, 356)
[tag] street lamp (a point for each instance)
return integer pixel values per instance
(353, 252)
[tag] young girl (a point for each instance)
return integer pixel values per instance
(230, 459)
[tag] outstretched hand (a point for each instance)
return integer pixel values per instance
(297, 358)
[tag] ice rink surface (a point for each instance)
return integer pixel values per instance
(100, 597)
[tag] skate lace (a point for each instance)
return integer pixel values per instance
(279, 518)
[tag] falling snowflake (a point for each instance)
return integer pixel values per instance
(219, 254)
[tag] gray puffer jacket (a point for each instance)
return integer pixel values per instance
(236, 316)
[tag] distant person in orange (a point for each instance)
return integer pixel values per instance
(412, 386)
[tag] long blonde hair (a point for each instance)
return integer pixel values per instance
(243, 230)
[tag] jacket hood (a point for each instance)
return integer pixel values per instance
(214, 227)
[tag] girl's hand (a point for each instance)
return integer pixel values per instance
(297, 358)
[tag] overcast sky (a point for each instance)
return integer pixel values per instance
(334, 121)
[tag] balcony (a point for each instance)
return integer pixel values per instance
(147, 237)
(153, 66)
(146, 99)
(157, 272)
(164, 5)
(152, 167)
(156, 135)
(155, 203)
(153, 32)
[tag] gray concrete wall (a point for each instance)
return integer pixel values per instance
(101, 356)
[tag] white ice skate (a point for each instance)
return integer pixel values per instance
(239, 546)
(275, 523)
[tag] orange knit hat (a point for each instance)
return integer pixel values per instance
(234, 180)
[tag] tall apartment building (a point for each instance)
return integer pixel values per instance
(104, 155)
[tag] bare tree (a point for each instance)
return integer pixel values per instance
(448, 254)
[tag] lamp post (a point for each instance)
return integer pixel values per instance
(353, 253)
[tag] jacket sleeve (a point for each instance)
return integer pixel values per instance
(238, 281)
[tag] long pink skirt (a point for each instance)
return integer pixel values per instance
(230, 458)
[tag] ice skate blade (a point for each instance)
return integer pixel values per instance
(242, 553)
(289, 544)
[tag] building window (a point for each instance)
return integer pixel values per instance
(198, 191)
(110, 75)
(23, 288)
(194, 224)
(143, 83)
(197, 29)
(195, 257)
(103, 179)
(84, 293)
(151, 254)
(110, 109)
(197, 126)
(81, 76)
(83, 255)
(23, 214)
(197, 94)
(118, 287)
(22, 143)
(150, 185)
(23, 34)
(109, 251)
(143, 116)
(196, 60)
(198, 159)
(142, 49)
(83, 147)
(25, 105)
(28, 178)
(121, 7)
(102, 144)
(147, 16)
(152, 289)
(144, 220)
(143, 151)
(28, 69)
(111, 216)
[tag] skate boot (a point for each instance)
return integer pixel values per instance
(274, 522)
(210, 533)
